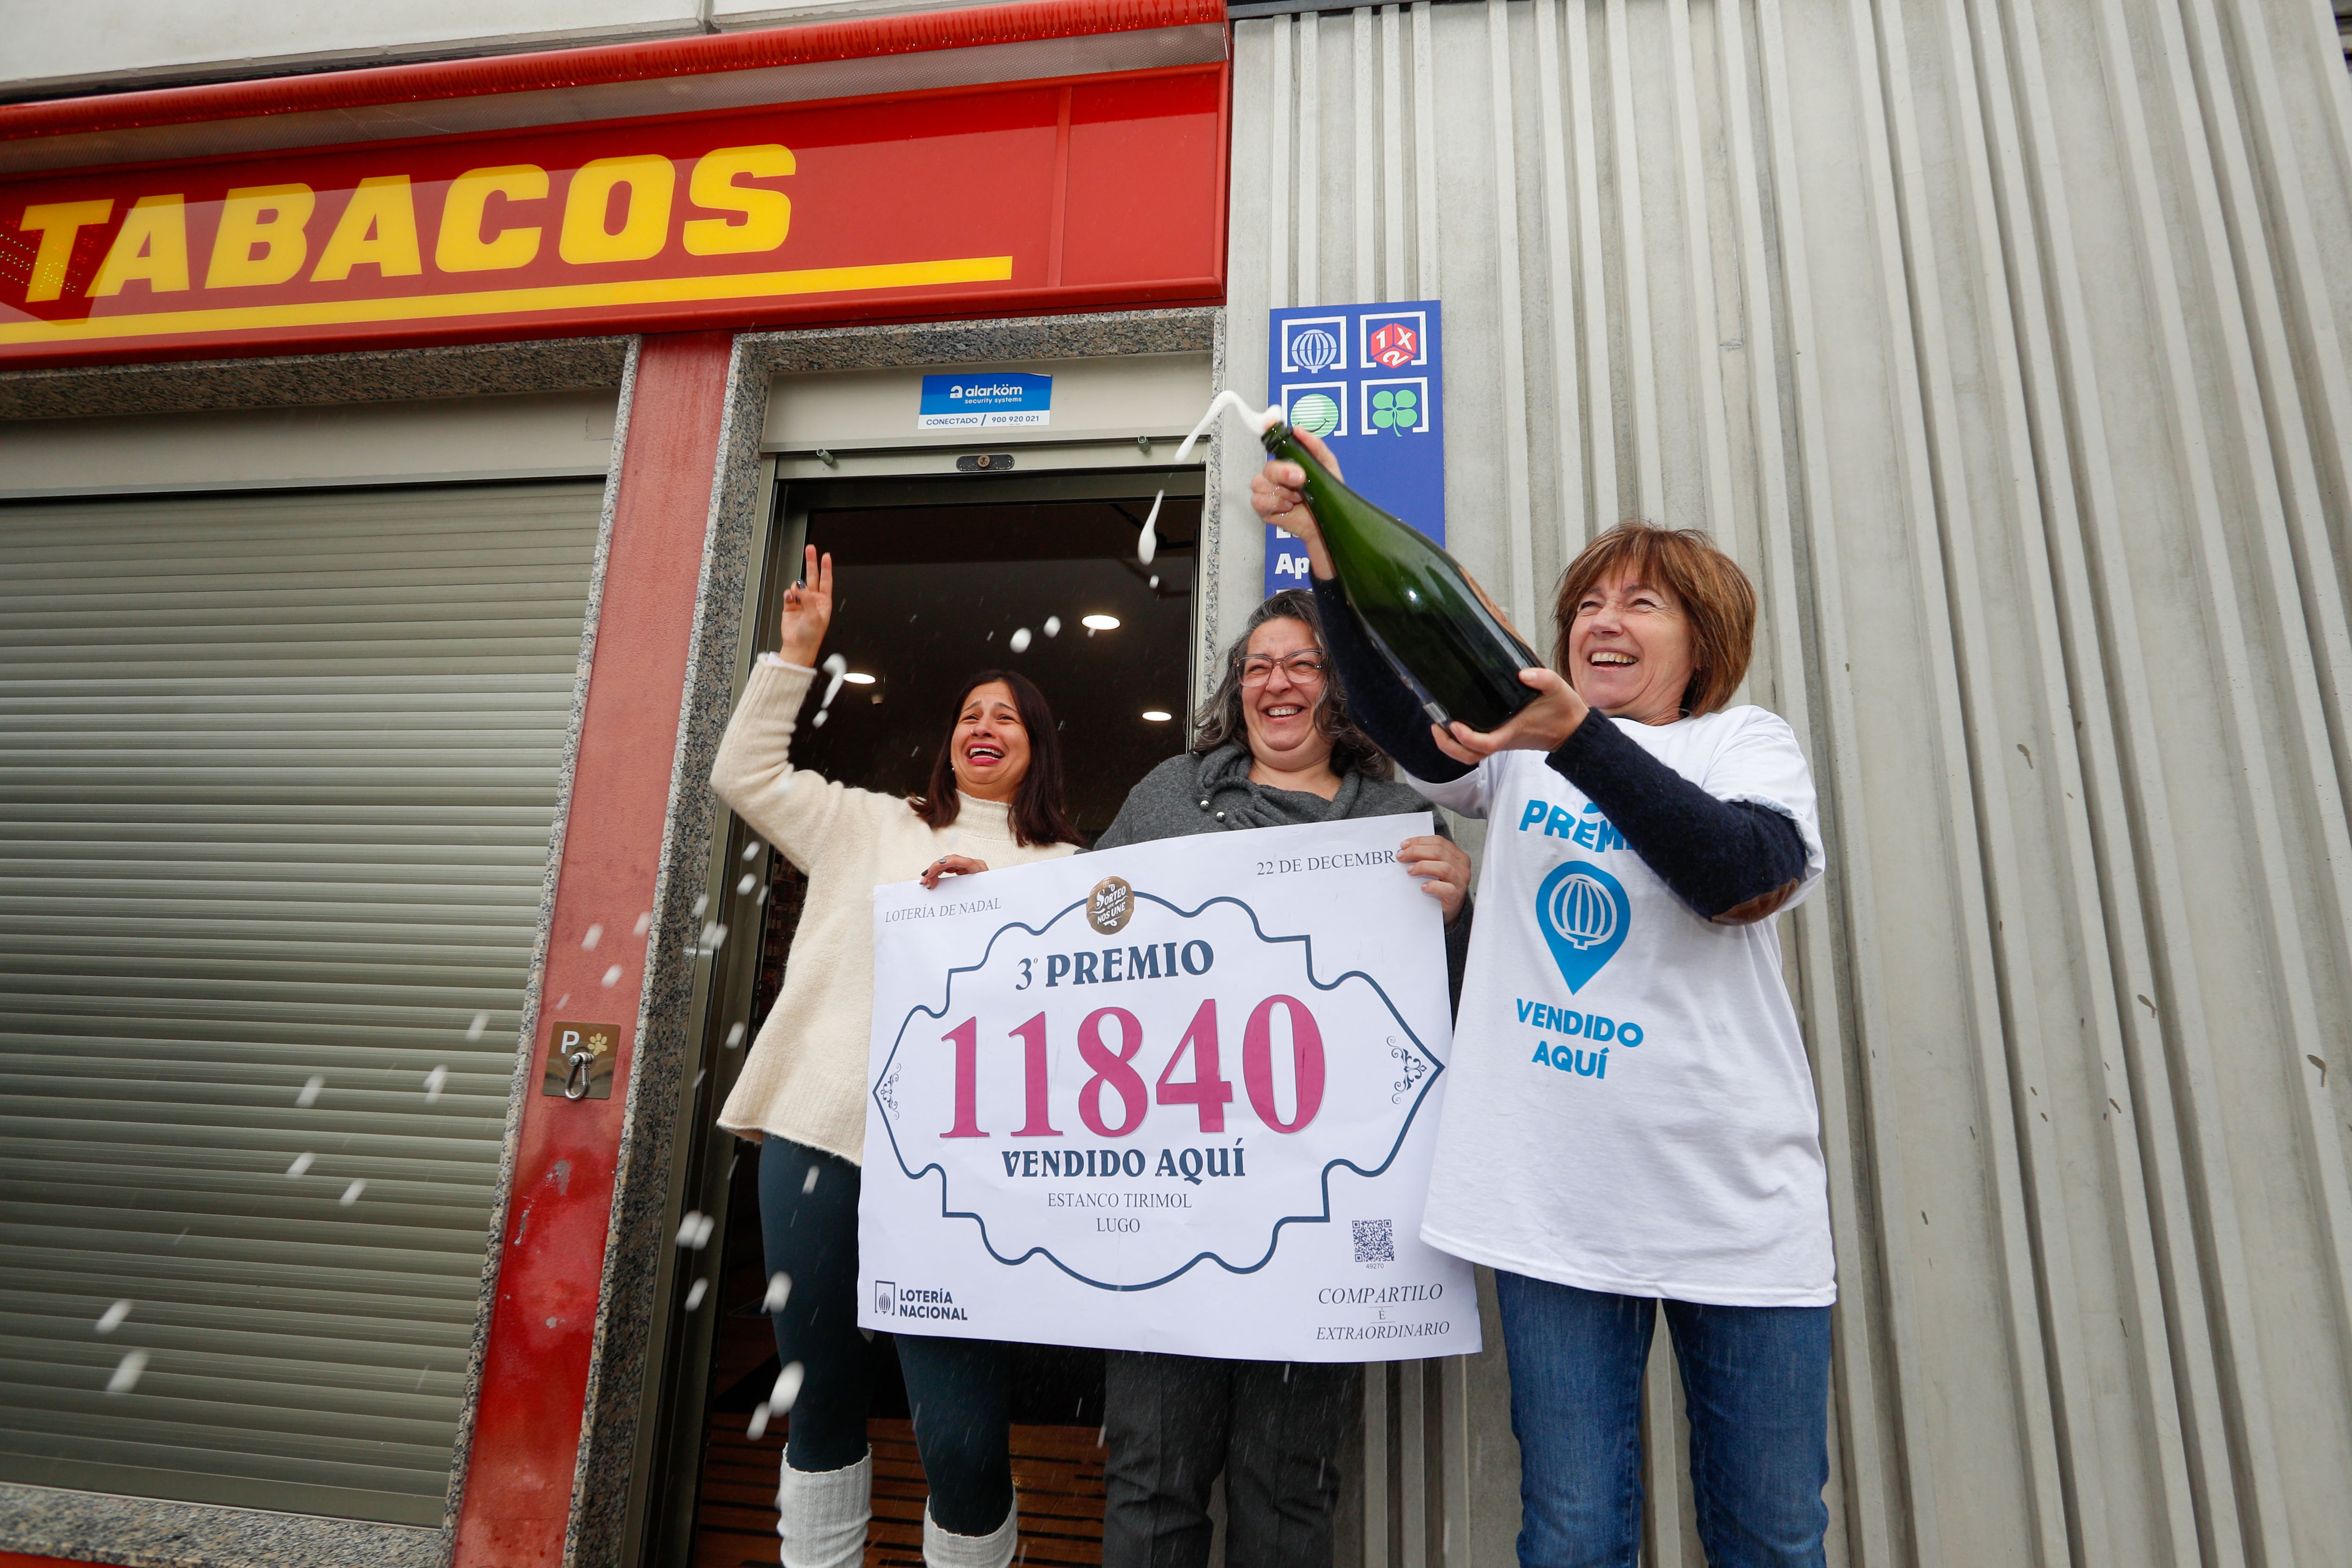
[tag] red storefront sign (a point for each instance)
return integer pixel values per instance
(1027, 195)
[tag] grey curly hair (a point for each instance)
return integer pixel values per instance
(1223, 724)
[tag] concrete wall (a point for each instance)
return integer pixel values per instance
(2003, 342)
(107, 45)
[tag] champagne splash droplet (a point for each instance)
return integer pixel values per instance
(780, 1290)
(1146, 544)
(302, 1164)
(1052, 626)
(126, 1372)
(746, 885)
(474, 1030)
(808, 1183)
(1019, 641)
(112, 1319)
(695, 1292)
(1259, 420)
(435, 1082)
(351, 1194)
(788, 1386)
(309, 1095)
(734, 1035)
(590, 938)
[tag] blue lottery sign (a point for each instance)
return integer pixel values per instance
(1368, 379)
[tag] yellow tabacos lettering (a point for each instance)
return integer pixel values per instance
(263, 234)
(378, 227)
(651, 180)
(152, 246)
(57, 224)
(268, 217)
(462, 246)
(767, 215)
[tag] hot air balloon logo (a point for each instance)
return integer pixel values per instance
(1583, 913)
(1315, 344)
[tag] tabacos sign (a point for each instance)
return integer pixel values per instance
(998, 198)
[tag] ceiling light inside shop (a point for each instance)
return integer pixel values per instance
(1158, 715)
(858, 677)
(1099, 623)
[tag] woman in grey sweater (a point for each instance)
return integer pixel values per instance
(1276, 749)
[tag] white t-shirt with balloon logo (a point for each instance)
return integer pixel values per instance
(1630, 1108)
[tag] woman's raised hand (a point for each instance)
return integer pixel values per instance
(1543, 725)
(808, 610)
(1443, 867)
(1275, 496)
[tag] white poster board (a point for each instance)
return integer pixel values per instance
(1175, 1097)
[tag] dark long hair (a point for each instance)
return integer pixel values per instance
(1036, 813)
(1223, 724)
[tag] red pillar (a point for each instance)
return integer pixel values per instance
(535, 1375)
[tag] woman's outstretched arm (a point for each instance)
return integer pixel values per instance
(1732, 861)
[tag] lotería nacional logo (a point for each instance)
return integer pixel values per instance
(1110, 906)
(886, 1298)
(1583, 913)
(1315, 344)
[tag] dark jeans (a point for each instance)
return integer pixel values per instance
(1173, 1422)
(1756, 1381)
(960, 1390)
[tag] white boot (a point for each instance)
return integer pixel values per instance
(945, 1548)
(822, 1514)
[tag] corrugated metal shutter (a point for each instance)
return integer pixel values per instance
(277, 773)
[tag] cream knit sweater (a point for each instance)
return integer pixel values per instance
(805, 1079)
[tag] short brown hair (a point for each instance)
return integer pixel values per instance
(1714, 594)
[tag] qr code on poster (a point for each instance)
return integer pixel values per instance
(1375, 1241)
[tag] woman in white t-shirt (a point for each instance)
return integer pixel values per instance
(1630, 1118)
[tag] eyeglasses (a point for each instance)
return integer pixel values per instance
(1304, 669)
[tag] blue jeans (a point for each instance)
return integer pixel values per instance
(1756, 1381)
(960, 1390)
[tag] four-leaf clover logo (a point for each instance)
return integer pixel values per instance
(1397, 410)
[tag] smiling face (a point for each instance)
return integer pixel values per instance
(1280, 713)
(1630, 651)
(989, 748)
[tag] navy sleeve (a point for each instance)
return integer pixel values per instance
(1380, 704)
(1731, 861)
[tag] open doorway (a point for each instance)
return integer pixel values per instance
(934, 578)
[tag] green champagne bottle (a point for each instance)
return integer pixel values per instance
(1428, 620)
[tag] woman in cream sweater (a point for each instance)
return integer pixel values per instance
(995, 799)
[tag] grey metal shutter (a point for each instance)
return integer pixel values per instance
(277, 773)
